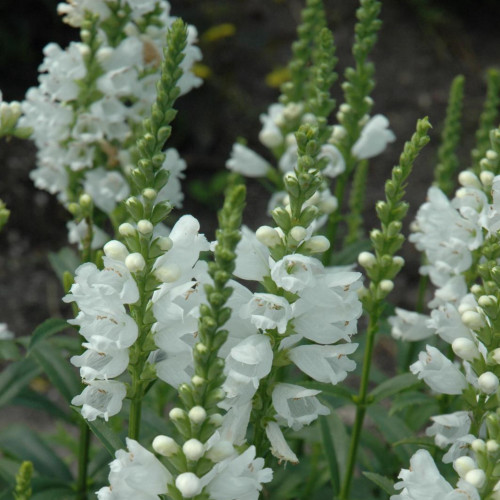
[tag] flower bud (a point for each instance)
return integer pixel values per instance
(472, 320)
(476, 289)
(491, 155)
(478, 446)
(468, 179)
(220, 451)
(168, 274)
(165, 243)
(268, 236)
(476, 477)
(328, 205)
(338, 133)
(496, 355)
(387, 286)
(465, 348)
(193, 450)
(177, 414)
(492, 446)
(197, 380)
(367, 259)
(85, 200)
(344, 108)
(188, 484)
(144, 226)
(298, 233)
(149, 193)
(135, 262)
(463, 465)
(126, 229)
(488, 382)
(270, 137)
(165, 446)
(115, 250)
(318, 244)
(197, 414)
(486, 177)
(216, 419)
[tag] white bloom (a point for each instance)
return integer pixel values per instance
(279, 446)
(270, 134)
(238, 477)
(252, 257)
(335, 161)
(422, 481)
(447, 323)
(297, 406)
(172, 190)
(106, 188)
(325, 363)
(5, 333)
(409, 326)
(267, 311)
(374, 138)
(101, 398)
(296, 271)
(135, 474)
(99, 365)
(246, 162)
(438, 372)
(78, 232)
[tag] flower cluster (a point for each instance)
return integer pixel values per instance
(86, 114)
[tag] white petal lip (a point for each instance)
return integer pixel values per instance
(279, 446)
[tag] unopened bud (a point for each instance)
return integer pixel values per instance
(216, 419)
(488, 382)
(193, 449)
(298, 233)
(472, 320)
(188, 484)
(177, 414)
(465, 348)
(492, 446)
(165, 446)
(198, 381)
(463, 465)
(387, 286)
(328, 205)
(496, 355)
(476, 477)
(115, 250)
(165, 243)
(126, 229)
(478, 446)
(144, 226)
(135, 262)
(367, 259)
(486, 177)
(197, 414)
(468, 179)
(270, 137)
(318, 244)
(268, 236)
(85, 200)
(149, 193)
(491, 155)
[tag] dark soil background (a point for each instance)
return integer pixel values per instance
(422, 46)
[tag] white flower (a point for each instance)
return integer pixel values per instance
(279, 446)
(335, 161)
(409, 326)
(172, 190)
(325, 363)
(246, 162)
(438, 372)
(267, 311)
(296, 271)
(422, 481)
(252, 257)
(238, 477)
(297, 406)
(447, 323)
(270, 134)
(95, 364)
(5, 333)
(136, 474)
(78, 232)
(106, 188)
(101, 398)
(374, 138)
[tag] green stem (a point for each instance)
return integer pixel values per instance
(134, 422)
(361, 405)
(83, 459)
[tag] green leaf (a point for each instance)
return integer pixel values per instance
(8, 470)
(405, 401)
(329, 450)
(9, 350)
(337, 391)
(393, 386)
(49, 327)
(15, 377)
(64, 260)
(58, 369)
(384, 482)
(32, 399)
(24, 444)
(426, 441)
(108, 437)
(58, 492)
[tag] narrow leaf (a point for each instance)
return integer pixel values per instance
(15, 377)
(46, 329)
(35, 400)
(329, 451)
(383, 482)
(393, 386)
(64, 260)
(24, 444)
(58, 369)
(106, 435)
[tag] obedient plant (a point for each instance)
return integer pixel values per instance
(243, 367)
